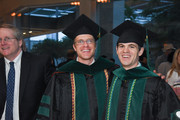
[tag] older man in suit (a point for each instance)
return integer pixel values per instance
(21, 91)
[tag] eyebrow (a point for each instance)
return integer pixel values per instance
(131, 44)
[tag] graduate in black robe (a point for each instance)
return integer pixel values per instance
(78, 90)
(136, 93)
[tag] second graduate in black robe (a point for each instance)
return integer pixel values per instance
(136, 93)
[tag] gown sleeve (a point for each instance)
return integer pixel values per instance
(45, 107)
(164, 101)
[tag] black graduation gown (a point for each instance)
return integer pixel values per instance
(83, 99)
(155, 100)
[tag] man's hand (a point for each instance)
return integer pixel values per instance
(159, 74)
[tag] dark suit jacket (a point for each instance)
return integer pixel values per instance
(35, 74)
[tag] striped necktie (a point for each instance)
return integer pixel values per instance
(10, 93)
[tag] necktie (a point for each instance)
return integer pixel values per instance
(10, 93)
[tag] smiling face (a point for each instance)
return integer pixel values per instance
(85, 47)
(12, 47)
(128, 54)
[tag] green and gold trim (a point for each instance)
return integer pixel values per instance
(107, 80)
(73, 96)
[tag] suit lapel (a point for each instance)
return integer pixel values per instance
(25, 72)
(2, 85)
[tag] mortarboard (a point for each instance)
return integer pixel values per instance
(129, 31)
(84, 25)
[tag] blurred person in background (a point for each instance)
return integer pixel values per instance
(71, 55)
(168, 47)
(173, 75)
(164, 67)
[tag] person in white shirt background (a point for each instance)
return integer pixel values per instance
(173, 75)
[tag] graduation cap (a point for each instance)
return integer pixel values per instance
(84, 25)
(129, 31)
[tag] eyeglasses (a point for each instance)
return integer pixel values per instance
(81, 42)
(7, 39)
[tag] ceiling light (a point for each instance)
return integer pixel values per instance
(103, 1)
(13, 14)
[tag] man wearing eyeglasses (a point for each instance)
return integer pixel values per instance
(78, 89)
(23, 76)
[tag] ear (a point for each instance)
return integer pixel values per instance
(116, 50)
(74, 47)
(20, 43)
(141, 51)
(95, 45)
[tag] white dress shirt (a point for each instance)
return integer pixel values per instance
(17, 67)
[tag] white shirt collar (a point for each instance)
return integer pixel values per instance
(90, 64)
(139, 64)
(15, 60)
